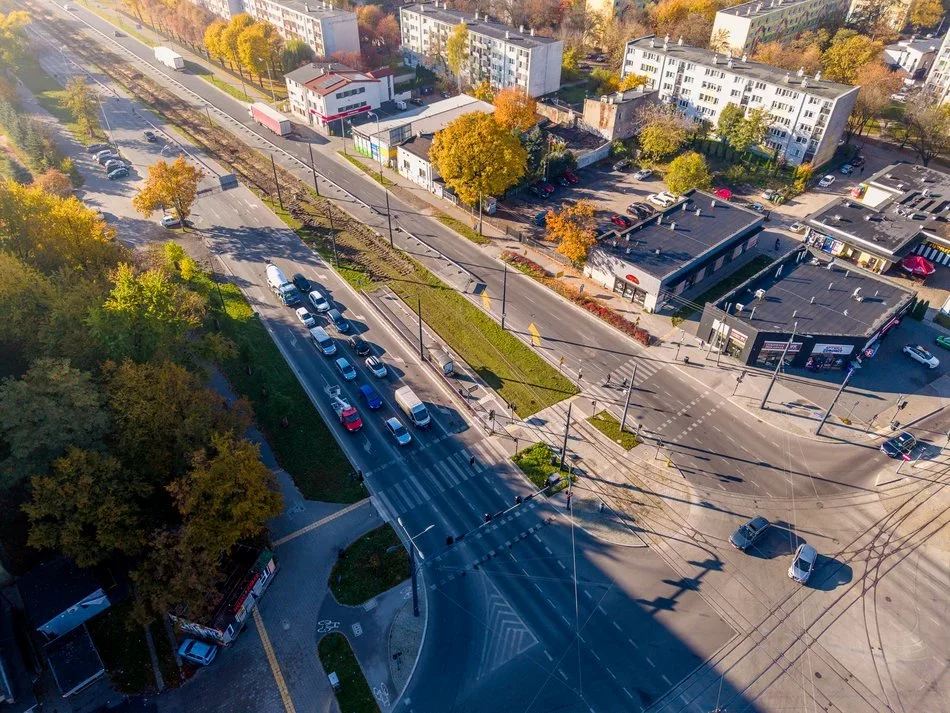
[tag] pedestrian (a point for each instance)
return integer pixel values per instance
(471, 461)
(862, 170)
(778, 243)
(608, 379)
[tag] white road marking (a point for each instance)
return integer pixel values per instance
(650, 662)
(663, 676)
(550, 658)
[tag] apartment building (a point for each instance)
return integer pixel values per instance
(500, 54)
(765, 20)
(807, 114)
(222, 8)
(914, 56)
(895, 17)
(938, 79)
(323, 93)
(612, 8)
(326, 29)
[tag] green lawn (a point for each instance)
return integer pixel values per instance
(337, 657)
(224, 86)
(759, 262)
(120, 641)
(49, 94)
(575, 94)
(536, 462)
(610, 427)
(462, 229)
(305, 447)
(371, 172)
(367, 569)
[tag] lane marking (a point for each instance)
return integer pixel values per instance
(550, 658)
(272, 660)
(663, 676)
(320, 523)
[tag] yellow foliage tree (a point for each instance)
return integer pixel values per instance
(926, 13)
(483, 91)
(514, 109)
(572, 229)
(632, 81)
(12, 36)
(254, 48)
(174, 185)
(231, 33)
(81, 104)
(213, 40)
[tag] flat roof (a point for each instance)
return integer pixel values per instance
(480, 25)
(819, 294)
(758, 8)
(752, 70)
(426, 119)
(54, 587)
(315, 9)
(921, 45)
(74, 660)
(664, 243)
(418, 146)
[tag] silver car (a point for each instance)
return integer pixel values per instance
(803, 564)
(749, 533)
(398, 431)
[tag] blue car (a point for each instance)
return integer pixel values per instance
(371, 397)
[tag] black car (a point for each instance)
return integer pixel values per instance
(417, 101)
(857, 161)
(150, 136)
(359, 345)
(302, 284)
(96, 148)
(749, 533)
(538, 192)
(899, 446)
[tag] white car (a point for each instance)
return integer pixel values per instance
(376, 366)
(664, 199)
(318, 301)
(826, 181)
(395, 427)
(918, 353)
(170, 221)
(803, 564)
(643, 174)
(797, 227)
(303, 314)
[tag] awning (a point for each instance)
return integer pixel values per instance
(918, 265)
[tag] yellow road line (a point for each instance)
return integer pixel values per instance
(272, 660)
(320, 523)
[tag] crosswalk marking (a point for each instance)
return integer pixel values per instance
(403, 495)
(423, 492)
(446, 474)
(436, 482)
(462, 474)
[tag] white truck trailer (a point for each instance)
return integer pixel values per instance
(169, 57)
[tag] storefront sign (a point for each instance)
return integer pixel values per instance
(738, 337)
(842, 349)
(633, 279)
(780, 347)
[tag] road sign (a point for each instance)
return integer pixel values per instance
(535, 335)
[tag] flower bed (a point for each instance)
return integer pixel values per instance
(523, 264)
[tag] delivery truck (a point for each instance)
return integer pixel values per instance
(169, 58)
(413, 407)
(272, 119)
(281, 286)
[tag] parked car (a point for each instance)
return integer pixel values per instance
(359, 345)
(546, 186)
(622, 165)
(538, 192)
(398, 431)
(857, 161)
(826, 181)
(541, 219)
(768, 194)
(98, 147)
(346, 369)
(199, 652)
(900, 446)
(797, 227)
(308, 320)
(104, 156)
(416, 101)
(150, 136)
(621, 221)
(572, 177)
(943, 342)
(664, 199)
(170, 221)
(371, 397)
(318, 301)
(918, 353)
(301, 283)
(643, 174)
(757, 207)
(645, 209)
(121, 172)
(113, 165)
(749, 533)
(803, 564)
(847, 169)
(376, 367)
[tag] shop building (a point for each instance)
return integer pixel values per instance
(323, 94)
(899, 211)
(656, 260)
(820, 312)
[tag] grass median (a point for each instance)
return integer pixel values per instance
(366, 569)
(220, 84)
(463, 229)
(371, 172)
(51, 96)
(610, 427)
(121, 643)
(337, 657)
(538, 462)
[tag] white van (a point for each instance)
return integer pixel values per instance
(322, 341)
(413, 407)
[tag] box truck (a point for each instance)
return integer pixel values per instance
(413, 407)
(272, 119)
(281, 286)
(169, 58)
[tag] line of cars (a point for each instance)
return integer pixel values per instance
(108, 157)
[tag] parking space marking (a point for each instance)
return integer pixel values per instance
(272, 660)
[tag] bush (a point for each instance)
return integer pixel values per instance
(523, 264)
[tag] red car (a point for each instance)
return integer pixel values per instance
(572, 177)
(621, 221)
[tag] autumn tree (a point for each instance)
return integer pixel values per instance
(663, 131)
(571, 60)
(719, 41)
(632, 81)
(214, 39)
(296, 54)
(52, 407)
(256, 47)
(928, 128)
(605, 81)
(13, 42)
(82, 104)
(229, 46)
(89, 508)
(925, 13)
(873, 17)
(55, 182)
(572, 228)
(515, 109)
(24, 293)
(379, 33)
(848, 53)
(478, 157)
(877, 84)
(456, 51)
(686, 172)
(483, 92)
(172, 185)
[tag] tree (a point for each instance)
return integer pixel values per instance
(605, 81)
(53, 407)
(928, 128)
(88, 508)
(848, 53)
(686, 172)
(663, 131)
(925, 13)
(571, 60)
(632, 81)
(873, 17)
(729, 120)
(515, 110)
(478, 157)
(751, 131)
(13, 42)
(296, 54)
(572, 228)
(803, 174)
(483, 91)
(81, 104)
(229, 37)
(719, 41)
(534, 145)
(456, 50)
(379, 33)
(254, 48)
(55, 182)
(172, 185)
(877, 84)
(214, 39)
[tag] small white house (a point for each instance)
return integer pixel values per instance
(412, 161)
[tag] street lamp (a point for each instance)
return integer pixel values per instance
(379, 145)
(412, 562)
(270, 76)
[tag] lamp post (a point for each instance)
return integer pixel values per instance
(412, 563)
(389, 219)
(273, 94)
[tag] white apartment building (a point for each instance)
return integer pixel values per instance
(222, 8)
(808, 114)
(326, 29)
(766, 20)
(500, 54)
(897, 13)
(913, 56)
(321, 94)
(938, 80)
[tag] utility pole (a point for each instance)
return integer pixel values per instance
(679, 344)
(379, 142)
(567, 429)
(273, 166)
(834, 401)
(313, 168)
(412, 563)
(419, 311)
(626, 403)
(778, 366)
(504, 295)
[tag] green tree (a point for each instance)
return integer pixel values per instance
(848, 53)
(663, 132)
(570, 61)
(477, 157)
(605, 81)
(51, 408)
(686, 172)
(928, 128)
(24, 294)
(456, 50)
(82, 105)
(174, 185)
(572, 228)
(534, 145)
(88, 508)
(729, 120)
(296, 53)
(751, 131)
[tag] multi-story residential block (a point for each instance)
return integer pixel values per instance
(914, 56)
(223, 8)
(324, 93)
(895, 16)
(502, 55)
(807, 114)
(611, 8)
(326, 29)
(938, 80)
(765, 20)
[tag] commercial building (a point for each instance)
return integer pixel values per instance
(817, 311)
(380, 139)
(913, 56)
(750, 23)
(658, 259)
(616, 116)
(323, 93)
(807, 114)
(497, 53)
(899, 211)
(938, 80)
(325, 28)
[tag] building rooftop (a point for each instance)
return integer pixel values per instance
(51, 588)
(665, 242)
(327, 77)
(426, 119)
(419, 145)
(758, 8)
(478, 23)
(921, 45)
(74, 660)
(823, 296)
(743, 67)
(313, 8)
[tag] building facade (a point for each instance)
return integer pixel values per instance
(746, 25)
(938, 79)
(223, 8)
(616, 116)
(497, 53)
(324, 93)
(913, 56)
(807, 115)
(412, 161)
(326, 29)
